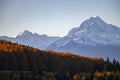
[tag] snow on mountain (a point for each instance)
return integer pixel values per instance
(93, 36)
(33, 40)
(95, 31)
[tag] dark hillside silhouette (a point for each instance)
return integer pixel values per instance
(64, 66)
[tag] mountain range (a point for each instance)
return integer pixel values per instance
(93, 38)
(32, 39)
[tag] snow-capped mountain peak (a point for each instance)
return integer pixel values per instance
(94, 31)
(93, 37)
(93, 22)
(25, 33)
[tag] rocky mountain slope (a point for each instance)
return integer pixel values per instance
(93, 37)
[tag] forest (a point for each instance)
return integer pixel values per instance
(20, 62)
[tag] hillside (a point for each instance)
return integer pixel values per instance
(16, 57)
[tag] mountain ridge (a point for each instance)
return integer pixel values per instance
(31, 39)
(92, 37)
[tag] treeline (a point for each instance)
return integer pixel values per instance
(16, 57)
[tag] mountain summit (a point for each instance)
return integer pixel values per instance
(93, 22)
(93, 37)
(96, 31)
(25, 33)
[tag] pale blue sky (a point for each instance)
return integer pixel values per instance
(53, 17)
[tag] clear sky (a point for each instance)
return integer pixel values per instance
(53, 17)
